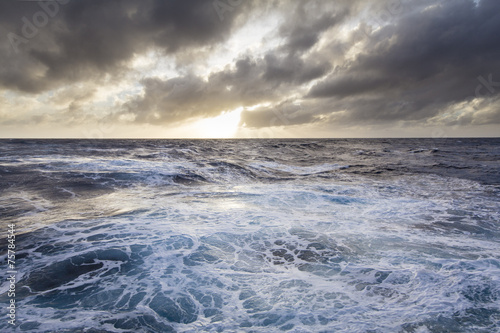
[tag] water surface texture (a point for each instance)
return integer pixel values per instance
(253, 235)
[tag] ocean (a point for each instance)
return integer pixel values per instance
(354, 235)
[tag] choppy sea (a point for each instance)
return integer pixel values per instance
(385, 235)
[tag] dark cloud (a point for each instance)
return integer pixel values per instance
(308, 20)
(83, 40)
(191, 96)
(415, 67)
(249, 82)
(345, 85)
(286, 113)
(339, 62)
(293, 69)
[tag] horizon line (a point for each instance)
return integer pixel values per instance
(285, 138)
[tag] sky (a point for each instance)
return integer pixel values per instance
(249, 68)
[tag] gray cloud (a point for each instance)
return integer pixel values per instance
(249, 82)
(307, 21)
(415, 67)
(286, 113)
(86, 39)
(344, 62)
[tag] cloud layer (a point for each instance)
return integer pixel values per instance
(348, 63)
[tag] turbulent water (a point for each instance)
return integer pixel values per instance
(252, 235)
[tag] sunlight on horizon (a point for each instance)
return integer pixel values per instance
(221, 127)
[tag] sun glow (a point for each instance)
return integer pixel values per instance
(220, 127)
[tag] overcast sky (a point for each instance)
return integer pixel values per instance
(249, 68)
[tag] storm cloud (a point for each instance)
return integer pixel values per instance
(52, 43)
(343, 63)
(420, 64)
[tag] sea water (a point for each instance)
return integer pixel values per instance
(394, 235)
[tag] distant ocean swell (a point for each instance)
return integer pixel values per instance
(253, 235)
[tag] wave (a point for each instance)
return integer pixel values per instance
(248, 235)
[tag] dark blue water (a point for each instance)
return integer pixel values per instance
(387, 235)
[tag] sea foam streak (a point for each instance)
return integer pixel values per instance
(254, 236)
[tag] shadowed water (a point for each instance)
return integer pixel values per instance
(253, 235)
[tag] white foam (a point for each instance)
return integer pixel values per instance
(387, 253)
